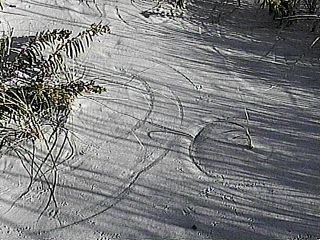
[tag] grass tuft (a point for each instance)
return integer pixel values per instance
(37, 90)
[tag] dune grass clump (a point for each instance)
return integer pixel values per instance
(37, 89)
(293, 10)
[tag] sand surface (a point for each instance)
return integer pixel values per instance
(163, 153)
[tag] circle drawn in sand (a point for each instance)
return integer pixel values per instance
(221, 147)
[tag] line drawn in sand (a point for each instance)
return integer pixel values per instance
(122, 20)
(232, 127)
(143, 169)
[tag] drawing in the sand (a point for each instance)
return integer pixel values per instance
(159, 119)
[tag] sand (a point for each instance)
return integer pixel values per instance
(163, 154)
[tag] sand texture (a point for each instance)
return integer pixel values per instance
(163, 154)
